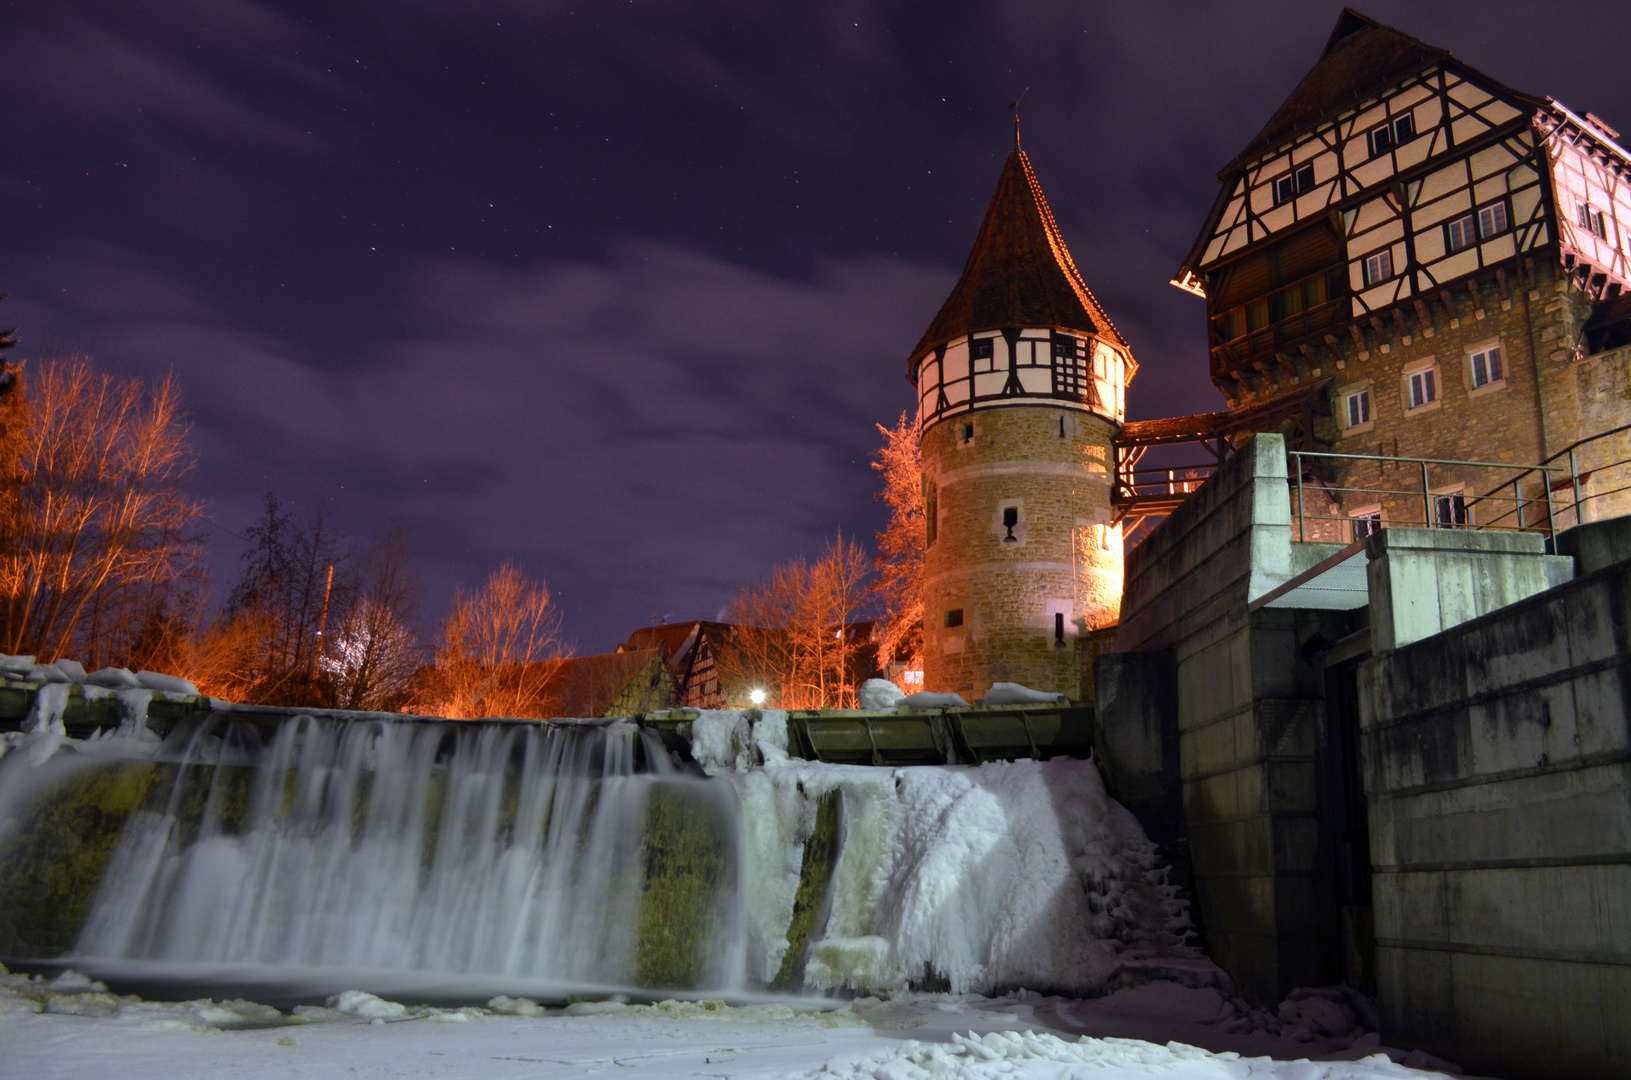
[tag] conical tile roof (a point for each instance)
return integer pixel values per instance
(1020, 273)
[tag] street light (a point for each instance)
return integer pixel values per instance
(757, 697)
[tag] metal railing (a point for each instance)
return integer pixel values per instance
(1151, 481)
(1544, 498)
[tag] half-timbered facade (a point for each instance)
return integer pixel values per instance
(1021, 383)
(1431, 243)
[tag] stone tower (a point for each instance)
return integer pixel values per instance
(1021, 384)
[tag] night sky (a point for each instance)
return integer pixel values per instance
(619, 290)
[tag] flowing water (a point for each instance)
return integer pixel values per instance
(570, 853)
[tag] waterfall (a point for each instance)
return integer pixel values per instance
(571, 853)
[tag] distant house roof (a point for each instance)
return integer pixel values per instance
(612, 684)
(1019, 272)
(675, 639)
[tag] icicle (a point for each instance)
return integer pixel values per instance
(45, 715)
(133, 713)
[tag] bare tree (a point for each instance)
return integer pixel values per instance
(901, 545)
(373, 653)
(297, 581)
(99, 520)
(499, 650)
(792, 636)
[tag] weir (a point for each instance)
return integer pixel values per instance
(706, 854)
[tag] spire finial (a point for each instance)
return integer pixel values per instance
(1014, 105)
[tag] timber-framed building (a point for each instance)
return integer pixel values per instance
(1434, 258)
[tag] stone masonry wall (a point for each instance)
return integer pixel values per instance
(1549, 397)
(1051, 466)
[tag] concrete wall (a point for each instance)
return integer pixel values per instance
(1250, 714)
(1422, 581)
(1497, 763)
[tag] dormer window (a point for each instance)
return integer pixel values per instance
(1292, 184)
(1384, 137)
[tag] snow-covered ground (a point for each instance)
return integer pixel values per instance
(72, 1028)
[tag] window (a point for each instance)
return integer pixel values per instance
(1592, 220)
(954, 618)
(1067, 348)
(1450, 511)
(1423, 388)
(1379, 267)
(1292, 184)
(1010, 518)
(1368, 523)
(981, 348)
(1460, 233)
(1384, 137)
(1493, 219)
(1358, 408)
(1487, 366)
(965, 433)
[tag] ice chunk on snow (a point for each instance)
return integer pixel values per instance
(114, 678)
(862, 963)
(72, 982)
(71, 668)
(1009, 693)
(169, 684)
(16, 665)
(928, 699)
(881, 695)
(367, 1006)
(47, 673)
(509, 1006)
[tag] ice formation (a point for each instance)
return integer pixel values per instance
(1021, 874)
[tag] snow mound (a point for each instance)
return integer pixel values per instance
(928, 699)
(505, 1005)
(1011, 693)
(361, 1003)
(169, 684)
(881, 695)
(1020, 1054)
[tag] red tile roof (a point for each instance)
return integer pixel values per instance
(1019, 272)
